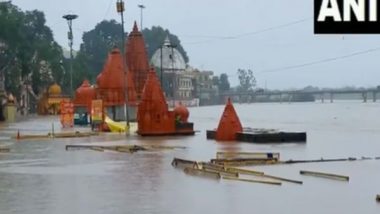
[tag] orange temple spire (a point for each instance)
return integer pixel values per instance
(137, 59)
(229, 124)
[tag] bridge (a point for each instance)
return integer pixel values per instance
(319, 94)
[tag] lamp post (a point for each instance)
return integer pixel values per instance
(120, 9)
(70, 18)
(142, 7)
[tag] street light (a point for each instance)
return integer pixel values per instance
(142, 7)
(120, 9)
(70, 18)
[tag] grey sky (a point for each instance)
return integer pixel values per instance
(201, 24)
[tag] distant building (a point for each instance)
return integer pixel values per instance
(176, 82)
(204, 89)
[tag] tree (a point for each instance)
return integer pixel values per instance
(99, 41)
(94, 50)
(224, 84)
(246, 79)
(155, 37)
(31, 54)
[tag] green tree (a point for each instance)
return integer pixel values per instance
(246, 79)
(155, 37)
(30, 52)
(99, 41)
(94, 49)
(224, 84)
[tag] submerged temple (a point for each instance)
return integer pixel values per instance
(112, 84)
(137, 59)
(154, 117)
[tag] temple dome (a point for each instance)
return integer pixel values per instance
(182, 112)
(172, 59)
(55, 90)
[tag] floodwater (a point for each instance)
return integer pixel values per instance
(40, 177)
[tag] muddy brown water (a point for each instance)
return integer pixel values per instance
(39, 176)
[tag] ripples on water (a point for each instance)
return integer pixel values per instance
(39, 176)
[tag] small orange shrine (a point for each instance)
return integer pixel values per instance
(83, 96)
(82, 103)
(137, 59)
(229, 124)
(154, 117)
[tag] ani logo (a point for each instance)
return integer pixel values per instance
(346, 17)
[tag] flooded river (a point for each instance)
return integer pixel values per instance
(40, 177)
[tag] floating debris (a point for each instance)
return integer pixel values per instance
(122, 148)
(182, 163)
(247, 155)
(244, 171)
(4, 149)
(244, 161)
(325, 175)
(76, 134)
(217, 168)
(209, 169)
(253, 181)
(203, 173)
(281, 179)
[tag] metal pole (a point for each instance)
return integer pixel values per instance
(120, 9)
(161, 71)
(70, 18)
(174, 75)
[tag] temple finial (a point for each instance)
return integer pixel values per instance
(135, 28)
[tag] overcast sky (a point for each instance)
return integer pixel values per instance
(222, 36)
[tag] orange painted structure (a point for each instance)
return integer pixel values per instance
(111, 83)
(181, 113)
(229, 124)
(84, 96)
(154, 117)
(230, 129)
(137, 59)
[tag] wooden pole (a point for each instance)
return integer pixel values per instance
(325, 175)
(281, 179)
(244, 171)
(203, 173)
(253, 181)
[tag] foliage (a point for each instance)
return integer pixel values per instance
(99, 41)
(155, 37)
(29, 51)
(94, 50)
(224, 84)
(246, 79)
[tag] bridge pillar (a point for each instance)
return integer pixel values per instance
(331, 97)
(280, 98)
(322, 98)
(290, 98)
(374, 94)
(364, 95)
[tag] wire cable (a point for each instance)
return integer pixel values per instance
(321, 61)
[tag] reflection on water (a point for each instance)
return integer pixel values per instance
(39, 176)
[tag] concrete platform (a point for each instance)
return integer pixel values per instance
(265, 136)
